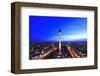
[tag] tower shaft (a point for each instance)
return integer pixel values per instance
(59, 35)
(59, 43)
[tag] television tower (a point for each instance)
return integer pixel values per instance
(59, 36)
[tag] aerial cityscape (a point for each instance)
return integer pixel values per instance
(57, 37)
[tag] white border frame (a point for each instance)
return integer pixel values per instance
(51, 63)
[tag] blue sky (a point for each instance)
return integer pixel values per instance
(45, 28)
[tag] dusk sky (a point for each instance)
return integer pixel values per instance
(45, 28)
